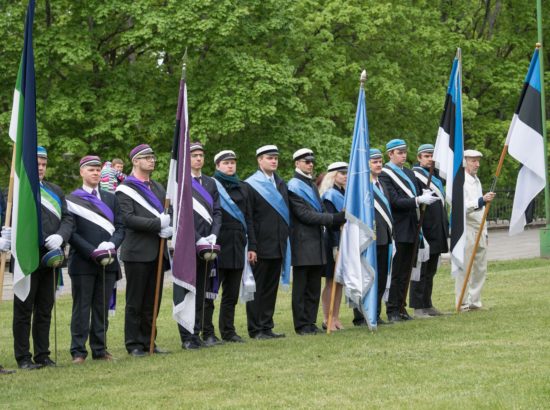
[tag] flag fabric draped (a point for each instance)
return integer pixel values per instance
(526, 144)
(179, 192)
(448, 158)
(26, 216)
(356, 265)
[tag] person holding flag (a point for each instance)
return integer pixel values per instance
(145, 222)
(271, 219)
(435, 228)
(236, 234)
(93, 264)
(207, 217)
(5, 245)
(57, 227)
(405, 196)
(308, 223)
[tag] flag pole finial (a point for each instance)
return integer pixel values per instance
(184, 65)
(363, 78)
(538, 45)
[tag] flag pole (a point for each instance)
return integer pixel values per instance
(544, 232)
(9, 203)
(480, 230)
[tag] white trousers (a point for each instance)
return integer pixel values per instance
(472, 295)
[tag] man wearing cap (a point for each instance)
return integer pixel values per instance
(145, 222)
(435, 228)
(474, 202)
(236, 234)
(57, 226)
(207, 217)
(5, 246)
(271, 220)
(405, 196)
(98, 233)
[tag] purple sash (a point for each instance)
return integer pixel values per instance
(203, 192)
(145, 192)
(95, 201)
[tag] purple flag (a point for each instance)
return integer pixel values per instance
(179, 191)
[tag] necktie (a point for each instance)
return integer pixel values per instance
(94, 192)
(198, 179)
(378, 185)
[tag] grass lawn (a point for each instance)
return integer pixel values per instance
(496, 358)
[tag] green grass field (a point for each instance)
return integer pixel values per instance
(496, 358)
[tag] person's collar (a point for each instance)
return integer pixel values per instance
(142, 178)
(89, 189)
(299, 171)
(470, 177)
(195, 175)
(272, 176)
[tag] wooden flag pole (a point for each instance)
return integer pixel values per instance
(7, 223)
(480, 231)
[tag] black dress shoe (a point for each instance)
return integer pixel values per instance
(274, 335)
(361, 322)
(47, 362)
(396, 317)
(306, 331)
(262, 336)
(192, 344)
(158, 350)
(234, 339)
(6, 371)
(137, 353)
(212, 341)
(28, 365)
(381, 322)
(405, 316)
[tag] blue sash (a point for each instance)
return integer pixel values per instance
(305, 192)
(403, 176)
(436, 181)
(228, 205)
(336, 197)
(383, 198)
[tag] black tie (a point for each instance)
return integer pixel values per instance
(94, 192)
(378, 185)
(198, 179)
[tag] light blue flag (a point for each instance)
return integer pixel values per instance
(356, 267)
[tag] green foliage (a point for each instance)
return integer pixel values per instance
(272, 71)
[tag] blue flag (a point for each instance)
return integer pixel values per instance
(356, 266)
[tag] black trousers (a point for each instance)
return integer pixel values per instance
(140, 299)
(90, 312)
(399, 275)
(38, 306)
(202, 303)
(382, 260)
(230, 282)
(306, 292)
(259, 312)
(420, 295)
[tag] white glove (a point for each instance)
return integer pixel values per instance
(105, 246)
(53, 241)
(164, 220)
(6, 233)
(166, 232)
(211, 239)
(334, 252)
(5, 245)
(202, 241)
(426, 198)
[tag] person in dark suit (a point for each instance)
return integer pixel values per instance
(57, 227)
(308, 223)
(271, 220)
(141, 207)
(435, 228)
(98, 227)
(2, 208)
(404, 196)
(207, 218)
(5, 245)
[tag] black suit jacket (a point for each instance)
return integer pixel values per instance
(403, 207)
(2, 208)
(51, 224)
(87, 236)
(203, 228)
(270, 229)
(141, 241)
(307, 228)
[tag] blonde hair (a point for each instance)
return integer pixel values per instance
(328, 182)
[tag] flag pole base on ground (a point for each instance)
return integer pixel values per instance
(545, 242)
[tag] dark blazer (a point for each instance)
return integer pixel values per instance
(141, 241)
(2, 208)
(435, 225)
(333, 233)
(233, 237)
(203, 228)
(307, 228)
(405, 221)
(383, 231)
(270, 229)
(51, 224)
(87, 236)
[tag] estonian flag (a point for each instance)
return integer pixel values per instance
(180, 194)
(27, 223)
(448, 157)
(525, 143)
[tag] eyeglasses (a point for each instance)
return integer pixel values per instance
(308, 161)
(148, 158)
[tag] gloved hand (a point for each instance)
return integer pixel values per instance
(164, 220)
(426, 198)
(166, 232)
(334, 252)
(5, 244)
(53, 241)
(104, 246)
(339, 218)
(202, 241)
(6, 233)
(211, 239)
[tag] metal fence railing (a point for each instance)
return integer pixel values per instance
(501, 208)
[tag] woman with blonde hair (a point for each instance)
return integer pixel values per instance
(332, 190)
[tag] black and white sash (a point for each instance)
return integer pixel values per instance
(86, 210)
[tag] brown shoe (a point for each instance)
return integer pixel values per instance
(108, 357)
(79, 360)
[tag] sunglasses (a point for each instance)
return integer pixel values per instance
(148, 158)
